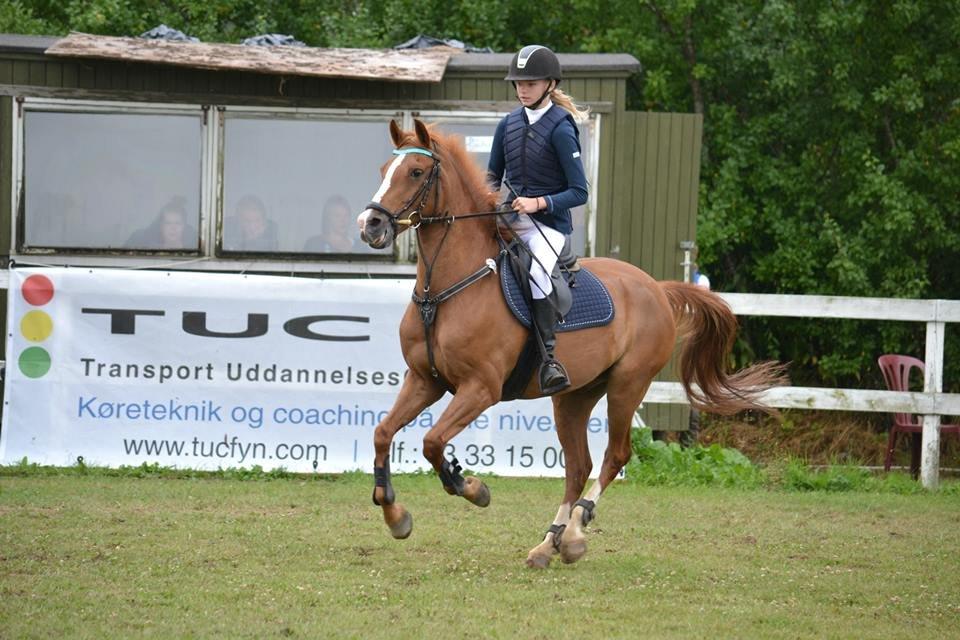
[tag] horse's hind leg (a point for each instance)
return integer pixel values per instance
(571, 412)
(415, 395)
(623, 398)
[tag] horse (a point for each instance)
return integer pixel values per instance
(458, 335)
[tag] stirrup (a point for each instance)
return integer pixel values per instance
(553, 377)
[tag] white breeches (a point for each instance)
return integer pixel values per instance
(546, 254)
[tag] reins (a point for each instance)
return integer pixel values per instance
(423, 193)
(450, 218)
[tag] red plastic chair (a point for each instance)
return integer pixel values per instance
(896, 373)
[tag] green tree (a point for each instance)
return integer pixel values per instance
(832, 131)
(830, 156)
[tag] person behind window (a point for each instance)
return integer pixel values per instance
(250, 229)
(169, 229)
(339, 230)
(536, 154)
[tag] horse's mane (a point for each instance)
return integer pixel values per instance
(454, 155)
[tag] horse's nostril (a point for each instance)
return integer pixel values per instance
(373, 222)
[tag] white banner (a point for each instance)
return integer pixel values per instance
(207, 371)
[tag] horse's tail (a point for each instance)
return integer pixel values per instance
(709, 328)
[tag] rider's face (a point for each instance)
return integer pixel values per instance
(529, 91)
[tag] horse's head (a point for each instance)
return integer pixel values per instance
(411, 182)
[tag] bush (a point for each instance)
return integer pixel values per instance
(659, 463)
(797, 476)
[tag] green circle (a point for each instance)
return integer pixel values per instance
(34, 362)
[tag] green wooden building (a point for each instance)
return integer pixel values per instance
(121, 152)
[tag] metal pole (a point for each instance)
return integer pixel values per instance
(687, 246)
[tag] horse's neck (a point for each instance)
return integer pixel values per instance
(453, 251)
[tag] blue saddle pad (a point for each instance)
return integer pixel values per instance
(592, 304)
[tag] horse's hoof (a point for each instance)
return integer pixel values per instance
(572, 550)
(538, 561)
(402, 526)
(476, 492)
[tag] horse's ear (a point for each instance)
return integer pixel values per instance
(396, 134)
(423, 136)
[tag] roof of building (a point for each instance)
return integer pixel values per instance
(415, 65)
(410, 65)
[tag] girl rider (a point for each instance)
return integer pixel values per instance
(536, 154)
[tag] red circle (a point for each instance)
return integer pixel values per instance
(37, 290)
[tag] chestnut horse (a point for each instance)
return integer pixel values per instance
(472, 341)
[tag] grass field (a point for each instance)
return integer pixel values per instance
(94, 556)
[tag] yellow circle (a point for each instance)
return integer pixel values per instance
(36, 326)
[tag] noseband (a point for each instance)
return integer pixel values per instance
(416, 217)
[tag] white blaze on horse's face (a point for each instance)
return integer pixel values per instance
(384, 187)
(376, 229)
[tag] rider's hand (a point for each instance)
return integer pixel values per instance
(528, 205)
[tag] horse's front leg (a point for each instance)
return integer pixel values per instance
(416, 394)
(469, 402)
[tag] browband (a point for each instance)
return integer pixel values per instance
(421, 151)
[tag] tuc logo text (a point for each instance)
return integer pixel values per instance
(125, 322)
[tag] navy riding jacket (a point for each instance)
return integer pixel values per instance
(541, 160)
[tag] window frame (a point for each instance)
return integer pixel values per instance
(209, 256)
(225, 112)
(104, 107)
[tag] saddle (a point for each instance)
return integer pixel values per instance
(581, 300)
(516, 261)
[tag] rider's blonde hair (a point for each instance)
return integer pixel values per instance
(562, 100)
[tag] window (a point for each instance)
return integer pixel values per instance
(297, 185)
(111, 180)
(126, 182)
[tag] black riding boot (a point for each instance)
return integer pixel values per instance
(553, 377)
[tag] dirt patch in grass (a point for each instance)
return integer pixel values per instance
(826, 437)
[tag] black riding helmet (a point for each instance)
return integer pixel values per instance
(534, 62)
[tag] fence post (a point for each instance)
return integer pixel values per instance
(932, 383)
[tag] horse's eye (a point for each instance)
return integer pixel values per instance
(416, 173)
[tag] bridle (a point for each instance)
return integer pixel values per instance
(415, 219)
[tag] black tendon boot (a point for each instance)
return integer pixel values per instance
(553, 377)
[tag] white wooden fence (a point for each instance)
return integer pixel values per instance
(931, 403)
